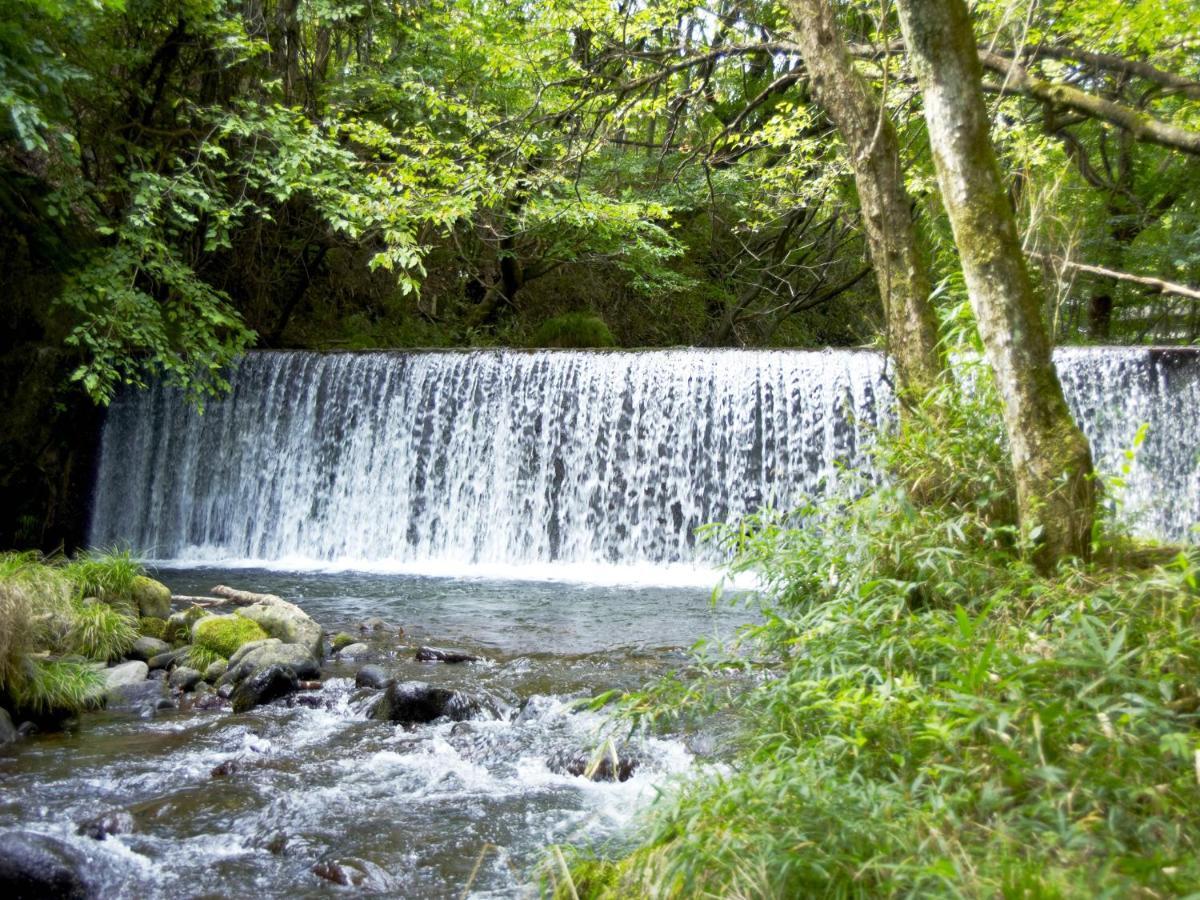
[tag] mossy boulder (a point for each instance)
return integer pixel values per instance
(288, 622)
(341, 639)
(179, 625)
(224, 635)
(152, 626)
(153, 598)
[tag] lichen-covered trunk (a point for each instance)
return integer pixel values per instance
(900, 268)
(1055, 491)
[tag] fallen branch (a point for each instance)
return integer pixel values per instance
(1164, 287)
(245, 598)
(198, 601)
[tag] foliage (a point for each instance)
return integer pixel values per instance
(151, 626)
(200, 657)
(927, 715)
(224, 634)
(573, 330)
(50, 619)
(101, 632)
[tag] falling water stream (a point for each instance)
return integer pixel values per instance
(536, 509)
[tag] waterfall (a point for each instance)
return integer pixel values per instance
(446, 460)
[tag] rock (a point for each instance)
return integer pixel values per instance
(153, 598)
(374, 623)
(415, 702)
(371, 677)
(8, 732)
(265, 685)
(354, 872)
(294, 656)
(288, 622)
(436, 654)
(146, 648)
(166, 660)
(26, 729)
(224, 691)
(210, 701)
(99, 828)
(215, 670)
(240, 653)
(141, 698)
(225, 769)
(36, 865)
(124, 675)
(179, 625)
(276, 844)
(602, 768)
(184, 678)
(340, 640)
(353, 651)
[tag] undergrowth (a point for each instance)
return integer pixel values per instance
(56, 616)
(923, 713)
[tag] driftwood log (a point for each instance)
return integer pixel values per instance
(199, 601)
(245, 598)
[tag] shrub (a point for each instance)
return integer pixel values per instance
(575, 330)
(922, 713)
(224, 634)
(200, 658)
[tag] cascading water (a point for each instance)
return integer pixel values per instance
(498, 457)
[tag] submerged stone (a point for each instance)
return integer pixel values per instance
(371, 677)
(101, 826)
(437, 654)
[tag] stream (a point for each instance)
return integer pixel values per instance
(221, 805)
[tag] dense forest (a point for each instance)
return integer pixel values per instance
(968, 673)
(179, 182)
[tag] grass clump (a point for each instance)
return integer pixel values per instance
(50, 617)
(927, 715)
(578, 330)
(200, 658)
(224, 634)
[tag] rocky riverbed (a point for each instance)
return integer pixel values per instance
(417, 737)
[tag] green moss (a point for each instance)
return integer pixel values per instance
(152, 626)
(179, 625)
(342, 639)
(224, 634)
(577, 330)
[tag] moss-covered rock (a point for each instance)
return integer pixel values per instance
(152, 626)
(341, 639)
(179, 625)
(225, 634)
(153, 598)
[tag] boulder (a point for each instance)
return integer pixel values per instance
(240, 653)
(179, 625)
(294, 656)
(436, 654)
(141, 698)
(288, 622)
(371, 677)
(215, 670)
(354, 651)
(184, 678)
(125, 675)
(415, 702)
(153, 598)
(166, 660)
(100, 827)
(35, 866)
(263, 686)
(146, 648)
(8, 731)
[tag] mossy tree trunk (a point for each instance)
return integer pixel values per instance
(900, 268)
(1052, 463)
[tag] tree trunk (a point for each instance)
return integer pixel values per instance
(1053, 467)
(900, 268)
